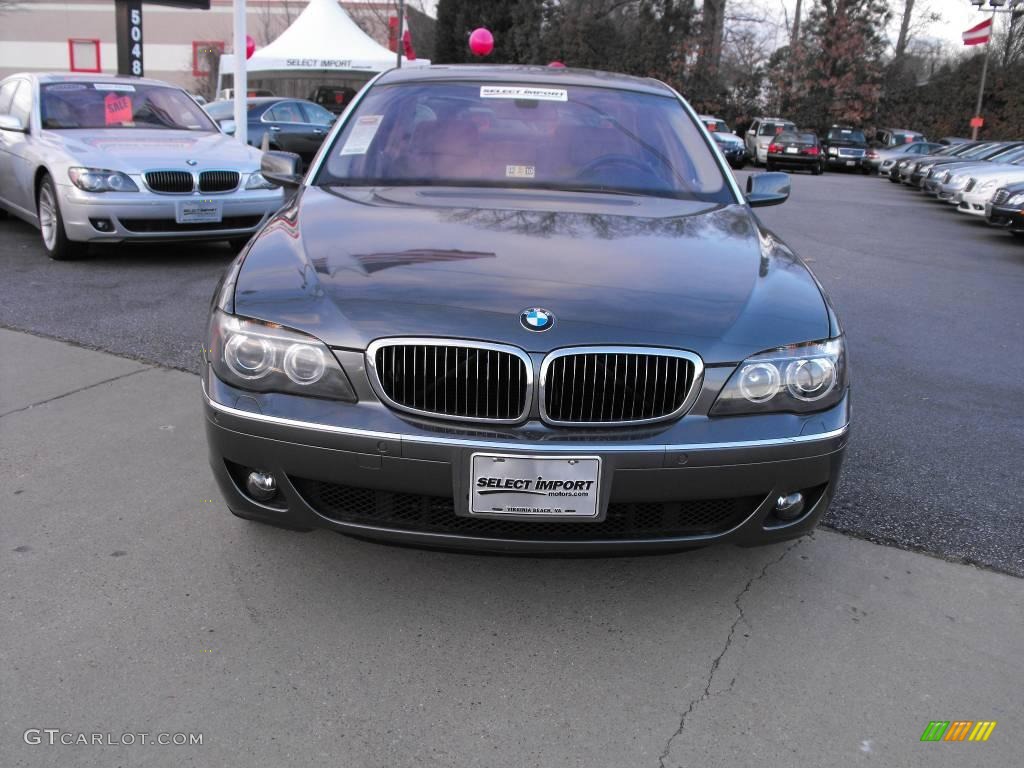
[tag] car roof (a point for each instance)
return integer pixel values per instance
(91, 77)
(710, 117)
(509, 73)
(774, 119)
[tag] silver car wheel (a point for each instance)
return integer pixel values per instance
(48, 216)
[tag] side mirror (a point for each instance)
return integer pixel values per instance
(228, 126)
(766, 189)
(282, 168)
(11, 123)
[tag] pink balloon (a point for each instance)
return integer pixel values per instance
(556, 65)
(481, 41)
(250, 46)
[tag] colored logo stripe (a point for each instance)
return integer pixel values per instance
(958, 730)
(982, 730)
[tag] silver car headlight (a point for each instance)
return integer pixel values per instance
(266, 357)
(101, 180)
(833, 150)
(798, 378)
(986, 185)
(1017, 199)
(256, 181)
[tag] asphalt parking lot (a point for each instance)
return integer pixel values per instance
(931, 301)
(134, 603)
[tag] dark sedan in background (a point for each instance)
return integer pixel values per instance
(524, 309)
(288, 125)
(796, 151)
(844, 148)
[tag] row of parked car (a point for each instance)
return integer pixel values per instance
(980, 178)
(777, 143)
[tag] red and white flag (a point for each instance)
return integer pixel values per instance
(979, 33)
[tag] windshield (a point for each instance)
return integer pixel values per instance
(846, 134)
(717, 126)
(797, 138)
(119, 105)
(573, 138)
(906, 138)
(771, 129)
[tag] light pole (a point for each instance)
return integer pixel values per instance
(401, 22)
(996, 6)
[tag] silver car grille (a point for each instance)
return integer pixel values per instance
(617, 385)
(218, 181)
(970, 185)
(171, 182)
(946, 177)
(1000, 197)
(847, 152)
(462, 380)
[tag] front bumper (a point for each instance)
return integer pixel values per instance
(146, 217)
(972, 204)
(366, 471)
(734, 155)
(844, 161)
(1004, 217)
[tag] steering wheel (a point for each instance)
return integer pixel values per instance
(597, 167)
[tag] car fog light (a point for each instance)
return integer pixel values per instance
(261, 486)
(249, 356)
(759, 382)
(304, 364)
(789, 507)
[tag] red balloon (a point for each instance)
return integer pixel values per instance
(481, 41)
(250, 46)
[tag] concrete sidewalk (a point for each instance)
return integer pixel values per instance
(133, 602)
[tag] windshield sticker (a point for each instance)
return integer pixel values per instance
(362, 135)
(520, 92)
(119, 87)
(65, 87)
(117, 110)
(519, 172)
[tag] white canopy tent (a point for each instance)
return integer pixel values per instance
(323, 40)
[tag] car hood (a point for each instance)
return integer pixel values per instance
(727, 138)
(350, 266)
(133, 150)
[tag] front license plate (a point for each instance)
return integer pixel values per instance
(791, 150)
(988, 209)
(199, 211)
(851, 162)
(535, 486)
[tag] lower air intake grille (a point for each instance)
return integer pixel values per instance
(617, 385)
(218, 181)
(453, 379)
(174, 182)
(436, 514)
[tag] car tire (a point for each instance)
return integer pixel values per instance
(1019, 234)
(271, 523)
(51, 224)
(817, 170)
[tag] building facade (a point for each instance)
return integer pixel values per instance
(179, 46)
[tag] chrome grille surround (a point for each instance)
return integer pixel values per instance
(686, 365)
(219, 181)
(1001, 196)
(970, 184)
(384, 373)
(170, 182)
(850, 152)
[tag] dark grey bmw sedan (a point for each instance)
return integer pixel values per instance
(524, 309)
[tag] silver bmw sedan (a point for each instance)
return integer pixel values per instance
(90, 159)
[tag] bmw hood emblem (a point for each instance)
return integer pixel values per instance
(192, 162)
(536, 319)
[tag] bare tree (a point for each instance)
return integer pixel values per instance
(275, 17)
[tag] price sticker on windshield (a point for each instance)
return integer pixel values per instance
(117, 109)
(359, 140)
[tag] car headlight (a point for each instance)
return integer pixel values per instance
(1017, 199)
(256, 181)
(266, 357)
(798, 378)
(987, 184)
(833, 150)
(101, 180)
